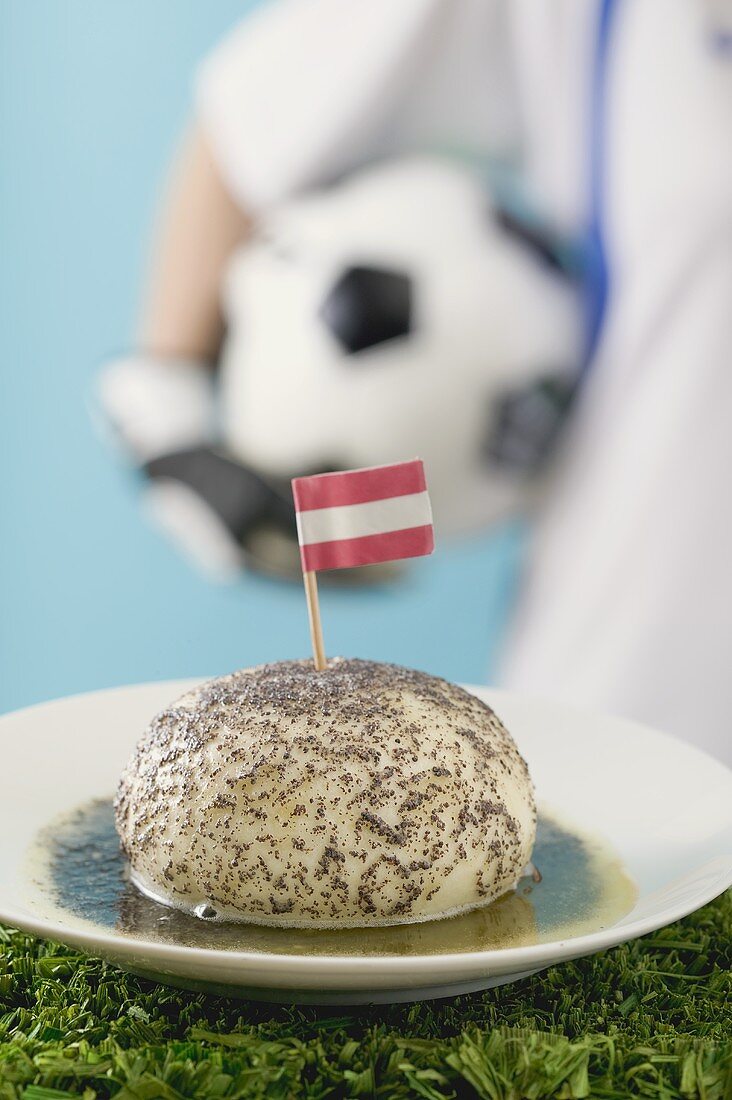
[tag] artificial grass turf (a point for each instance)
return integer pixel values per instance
(652, 1018)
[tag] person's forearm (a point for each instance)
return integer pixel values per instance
(199, 226)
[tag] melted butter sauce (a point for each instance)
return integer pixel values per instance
(78, 874)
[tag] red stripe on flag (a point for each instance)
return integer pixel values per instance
(358, 486)
(411, 542)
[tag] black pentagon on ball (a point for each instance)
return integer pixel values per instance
(367, 306)
(525, 423)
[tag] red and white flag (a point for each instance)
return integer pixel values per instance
(361, 517)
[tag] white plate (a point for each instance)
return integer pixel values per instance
(665, 807)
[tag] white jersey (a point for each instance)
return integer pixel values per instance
(618, 114)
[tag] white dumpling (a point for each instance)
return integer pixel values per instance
(367, 794)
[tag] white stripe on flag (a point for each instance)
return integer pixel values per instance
(353, 521)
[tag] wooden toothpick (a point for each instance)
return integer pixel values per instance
(316, 628)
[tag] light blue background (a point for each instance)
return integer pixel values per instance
(92, 97)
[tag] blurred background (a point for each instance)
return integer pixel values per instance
(494, 234)
(93, 99)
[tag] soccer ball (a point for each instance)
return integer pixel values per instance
(395, 315)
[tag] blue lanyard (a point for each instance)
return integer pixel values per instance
(597, 283)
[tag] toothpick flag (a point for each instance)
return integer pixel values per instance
(363, 516)
(359, 517)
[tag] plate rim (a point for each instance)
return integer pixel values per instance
(557, 950)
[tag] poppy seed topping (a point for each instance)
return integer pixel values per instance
(367, 794)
